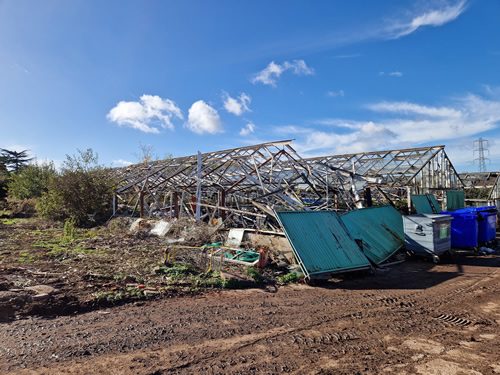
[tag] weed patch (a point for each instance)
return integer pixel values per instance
(209, 280)
(27, 257)
(177, 271)
(291, 277)
(235, 284)
(254, 274)
(111, 296)
(8, 221)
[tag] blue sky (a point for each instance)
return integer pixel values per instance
(186, 76)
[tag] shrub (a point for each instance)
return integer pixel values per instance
(83, 191)
(290, 277)
(254, 274)
(4, 178)
(32, 181)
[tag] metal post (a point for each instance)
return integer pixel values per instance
(368, 197)
(441, 172)
(408, 197)
(171, 206)
(176, 205)
(141, 199)
(198, 189)
(222, 204)
(326, 179)
(181, 207)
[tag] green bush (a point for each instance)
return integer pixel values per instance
(4, 179)
(32, 181)
(51, 206)
(82, 191)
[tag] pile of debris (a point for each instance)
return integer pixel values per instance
(320, 243)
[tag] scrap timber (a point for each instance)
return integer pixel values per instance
(244, 186)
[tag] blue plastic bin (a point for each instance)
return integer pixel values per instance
(487, 222)
(464, 228)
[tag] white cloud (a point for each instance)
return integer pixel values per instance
(425, 13)
(411, 108)
(237, 106)
(298, 67)
(339, 123)
(346, 56)
(273, 71)
(407, 125)
(122, 162)
(268, 75)
(249, 128)
(393, 74)
(368, 137)
(290, 129)
(145, 115)
(335, 94)
(202, 118)
(430, 17)
(493, 91)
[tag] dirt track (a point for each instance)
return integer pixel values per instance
(415, 317)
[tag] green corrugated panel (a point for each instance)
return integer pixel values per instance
(380, 229)
(421, 203)
(455, 199)
(320, 242)
(434, 203)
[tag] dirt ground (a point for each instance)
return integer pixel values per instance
(412, 317)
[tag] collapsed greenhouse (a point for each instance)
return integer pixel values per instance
(481, 188)
(244, 186)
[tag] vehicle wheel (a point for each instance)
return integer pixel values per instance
(436, 259)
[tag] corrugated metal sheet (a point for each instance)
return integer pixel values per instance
(455, 199)
(434, 203)
(320, 242)
(380, 229)
(422, 204)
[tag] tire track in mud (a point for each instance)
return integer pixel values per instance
(454, 320)
(285, 330)
(342, 341)
(310, 337)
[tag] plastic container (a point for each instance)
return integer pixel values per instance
(487, 223)
(464, 228)
(428, 234)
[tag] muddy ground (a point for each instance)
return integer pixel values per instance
(413, 317)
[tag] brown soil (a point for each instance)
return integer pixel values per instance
(413, 317)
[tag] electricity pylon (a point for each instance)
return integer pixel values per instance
(481, 160)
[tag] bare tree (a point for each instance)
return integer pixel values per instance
(147, 153)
